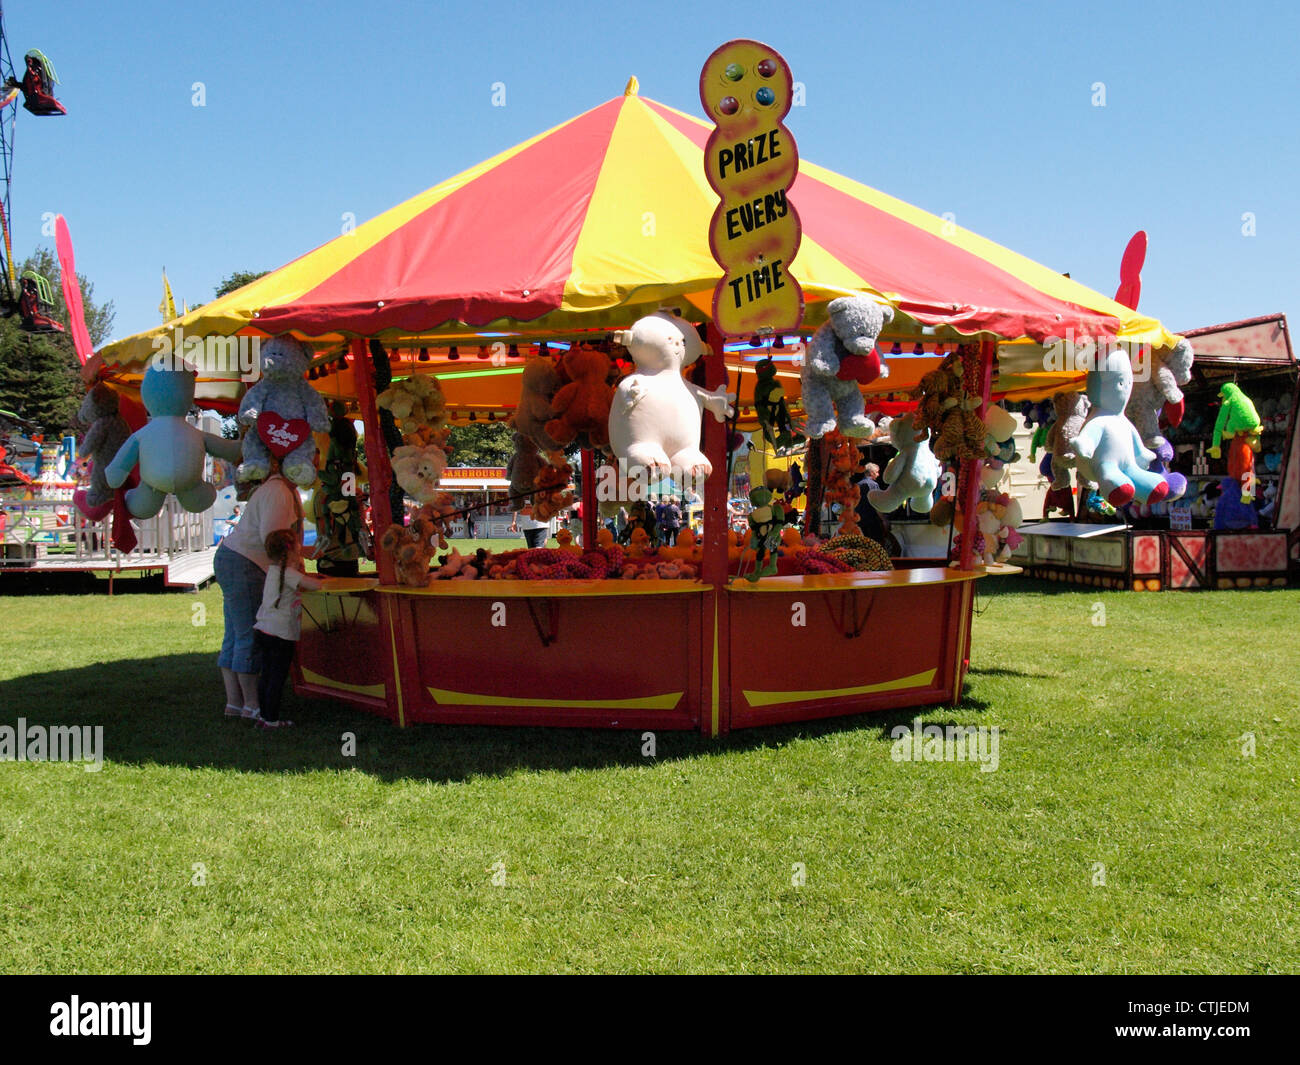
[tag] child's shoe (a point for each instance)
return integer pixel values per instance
(234, 711)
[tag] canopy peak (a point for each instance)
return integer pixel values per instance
(633, 86)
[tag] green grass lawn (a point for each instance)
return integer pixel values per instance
(1123, 831)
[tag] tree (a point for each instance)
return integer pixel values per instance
(481, 444)
(239, 279)
(39, 372)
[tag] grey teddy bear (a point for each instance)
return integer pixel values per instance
(107, 433)
(282, 389)
(1169, 369)
(841, 357)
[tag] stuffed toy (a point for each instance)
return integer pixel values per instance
(552, 487)
(419, 469)
(280, 411)
(841, 357)
(524, 464)
(411, 549)
(947, 411)
(640, 515)
(107, 431)
(912, 475)
(1110, 452)
(458, 567)
(1239, 423)
(336, 505)
(1232, 509)
(1071, 413)
(765, 523)
(844, 468)
(1160, 393)
(770, 408)
(999, 434)
(414, 401)
(169, 450)
(654, 423)
(539, 383)
(582, 405)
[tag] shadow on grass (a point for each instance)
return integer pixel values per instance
(168, 711)
(73, 583)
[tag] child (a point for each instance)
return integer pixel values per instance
(279, 621)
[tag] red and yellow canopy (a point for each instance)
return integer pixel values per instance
(604, 218)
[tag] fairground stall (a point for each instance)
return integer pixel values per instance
(530, 263)
(1237, 524)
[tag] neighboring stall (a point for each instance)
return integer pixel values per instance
(586, 229)
(1203, 540)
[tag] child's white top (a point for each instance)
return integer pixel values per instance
(283, 619)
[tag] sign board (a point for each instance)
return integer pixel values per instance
(1180, 518)
(751, 161)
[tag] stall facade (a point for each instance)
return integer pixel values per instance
(580, 231)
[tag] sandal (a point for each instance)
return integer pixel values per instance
(234, 711)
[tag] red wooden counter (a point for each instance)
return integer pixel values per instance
(656, 654)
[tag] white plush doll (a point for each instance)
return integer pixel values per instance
(169, 449)
(654, 422)
(280, 411)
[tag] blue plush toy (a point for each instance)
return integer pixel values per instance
(169, 449)
(1110, 452)
(912, 474)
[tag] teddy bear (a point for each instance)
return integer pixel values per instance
(419, 469)
(1071, 413)
(582, 405)
(415, 401)
(840, 358)
(770, 408)
(411, 549)
(912, 475)
(280, 411)
(956, 431)
(168, 448)
(654, 423)
(107, 432)
(844, 466)
(1110, 452)
(538, 384)
(524, 465)
(1160, 392)
(552, 487)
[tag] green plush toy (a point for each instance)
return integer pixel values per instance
(1237, 416)
(765, 524)
(769, 406)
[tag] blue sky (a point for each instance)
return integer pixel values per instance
(981, 109)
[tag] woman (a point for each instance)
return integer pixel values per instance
(240, 566)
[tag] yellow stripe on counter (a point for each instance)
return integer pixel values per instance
(916, 680)
(375, 691)
(667, 701)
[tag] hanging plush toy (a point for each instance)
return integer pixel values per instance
(912, 475)
(841, 357)
(948, 411)
(415, 402)
(169, 450)
(538, 385)
(1239, 424)
(107, 432)
(336, 502)
(1071, 414)
(1160, 395)
(582, 405)
(281, 410)
(1110, 452)
(766, 521)
(419, 469)
(654, 423)
(770, 407)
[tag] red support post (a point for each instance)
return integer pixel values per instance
(716, 629)
(972, 468)
(378, 466)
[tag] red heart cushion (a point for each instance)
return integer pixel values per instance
(281, 435)
(858, 368)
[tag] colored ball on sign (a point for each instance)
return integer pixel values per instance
(728, 105)
(767, 67)
(734, 72)
(765, 96)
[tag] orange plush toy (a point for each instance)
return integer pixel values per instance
(844, 467)
(552, 493)
(582, 405)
